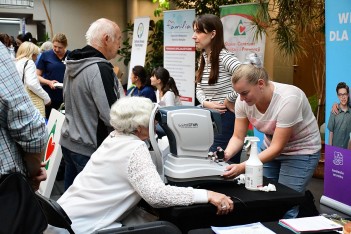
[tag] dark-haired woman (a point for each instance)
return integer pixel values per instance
(213, 78)
(141, 82)
(167, 93)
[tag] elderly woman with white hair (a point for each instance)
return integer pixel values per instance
(120, 173)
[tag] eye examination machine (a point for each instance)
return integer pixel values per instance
(189, 131)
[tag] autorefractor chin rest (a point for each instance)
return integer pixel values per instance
(190, 131)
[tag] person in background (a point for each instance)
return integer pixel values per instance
(292, 142)
(90, 88)
(28, 37)
(120, 173)
(34, 41)
(14, 46)
(23, 133)
(6, 41)
(19, 39)
(141, 82)
(26, 56)
(51, 69)
(46, 46)
(213, 77)
(339, 125)
(167, 93)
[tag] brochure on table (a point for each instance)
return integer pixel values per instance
(310, 224)
(252, 228)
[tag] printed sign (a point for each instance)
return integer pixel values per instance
(53, 154)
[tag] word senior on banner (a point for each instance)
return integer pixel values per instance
(139, 43)
(341, 35)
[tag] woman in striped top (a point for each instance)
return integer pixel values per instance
(213, 78)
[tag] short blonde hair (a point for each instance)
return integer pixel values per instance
(129, 113)
(251, 73)
(27, 50)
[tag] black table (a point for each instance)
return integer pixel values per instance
(274, 226)
(249, 206)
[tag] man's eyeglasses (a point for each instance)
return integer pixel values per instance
(343, 94)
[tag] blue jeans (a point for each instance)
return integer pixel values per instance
(294, 171)
(221, 140)
(74, 163)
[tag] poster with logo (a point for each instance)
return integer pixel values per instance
(239, 31)
(179, 52)
(337, 170)
(139, 44)
(53, 154)
(239, 35)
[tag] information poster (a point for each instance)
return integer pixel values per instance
(239, 31)
(239, 36)
(139, 44)
(179, 52)
(53, 154)
(337, 171)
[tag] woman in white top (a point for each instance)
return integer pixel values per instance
(26, 56)
(292, 143)
(167, 93)
(121, 173)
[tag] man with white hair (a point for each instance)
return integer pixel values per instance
(90, 88)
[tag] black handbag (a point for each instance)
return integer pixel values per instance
(20, 211)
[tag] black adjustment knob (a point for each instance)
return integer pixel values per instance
(220, 154)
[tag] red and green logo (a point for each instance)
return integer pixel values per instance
(50, 147)
(240, 29)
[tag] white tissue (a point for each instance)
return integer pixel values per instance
(240, 179)
(268, 188)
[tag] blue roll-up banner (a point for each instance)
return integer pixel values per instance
(337, 171)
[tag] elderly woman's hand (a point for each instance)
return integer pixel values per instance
(223, 203)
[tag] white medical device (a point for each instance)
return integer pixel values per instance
(190, 132)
